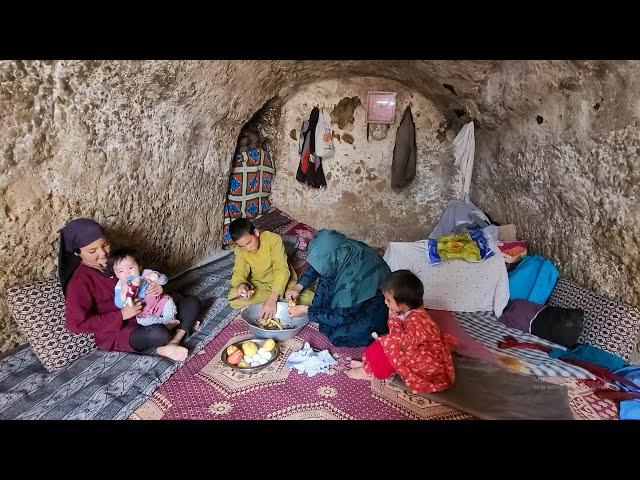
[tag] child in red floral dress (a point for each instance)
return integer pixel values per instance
(414, 348)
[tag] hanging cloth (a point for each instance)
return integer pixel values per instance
(403, 166)
(310, 168)
(464, 146)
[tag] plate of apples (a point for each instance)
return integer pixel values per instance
(250, 355)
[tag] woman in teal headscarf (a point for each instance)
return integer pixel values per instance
(348, 303)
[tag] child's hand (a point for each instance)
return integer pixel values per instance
(298, 311)
(292, 294)
(243, 290)
(269, 308)
(154, 290)
(131, 311)
(152, 277)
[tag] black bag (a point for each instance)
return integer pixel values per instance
(558, 325)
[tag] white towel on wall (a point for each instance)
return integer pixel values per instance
(464, 147)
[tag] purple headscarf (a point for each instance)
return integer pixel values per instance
(77, 233)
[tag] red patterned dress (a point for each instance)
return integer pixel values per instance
(415, 349)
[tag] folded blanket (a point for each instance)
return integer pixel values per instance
(507, 233)
(513, 252)
(631, 373)
(630, 410)
(533, 279)
(454, 285)
(470, 347)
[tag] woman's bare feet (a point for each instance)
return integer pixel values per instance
(173, 323)
(174, 352)
(177, 338)
(358, 374)
(355, 364)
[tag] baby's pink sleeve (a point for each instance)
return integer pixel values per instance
(156, 277)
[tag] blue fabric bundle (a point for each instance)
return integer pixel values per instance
(533, 279)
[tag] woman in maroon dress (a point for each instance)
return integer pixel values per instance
(90, 308)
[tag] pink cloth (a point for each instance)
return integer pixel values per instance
(153, 306)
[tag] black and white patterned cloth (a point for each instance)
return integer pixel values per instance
(38, 309)
(608, 324)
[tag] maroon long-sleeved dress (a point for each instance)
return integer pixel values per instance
(90, 309)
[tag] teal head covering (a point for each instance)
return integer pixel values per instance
(356, 269)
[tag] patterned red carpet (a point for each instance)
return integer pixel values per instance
(204, 389)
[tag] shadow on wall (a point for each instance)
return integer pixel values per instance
(148, 250)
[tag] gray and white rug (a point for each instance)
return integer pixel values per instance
(111, 385)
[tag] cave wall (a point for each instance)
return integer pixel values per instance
(358, 199)
(568, 175)
(145, 147)
(142, 147)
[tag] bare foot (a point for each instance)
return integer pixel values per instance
(174, 352)
(355, 364)
(177, 338)
(196, 327)
(171, 324)
(358, 374)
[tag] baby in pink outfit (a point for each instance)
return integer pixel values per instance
(133, 284)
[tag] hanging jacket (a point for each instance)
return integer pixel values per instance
(403, 167)
(310, 168)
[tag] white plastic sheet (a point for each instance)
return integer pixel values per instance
(459, 215)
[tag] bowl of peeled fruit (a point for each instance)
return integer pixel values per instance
(279, 327)
(250, 355)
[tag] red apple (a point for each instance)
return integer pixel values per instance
(235, 357)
